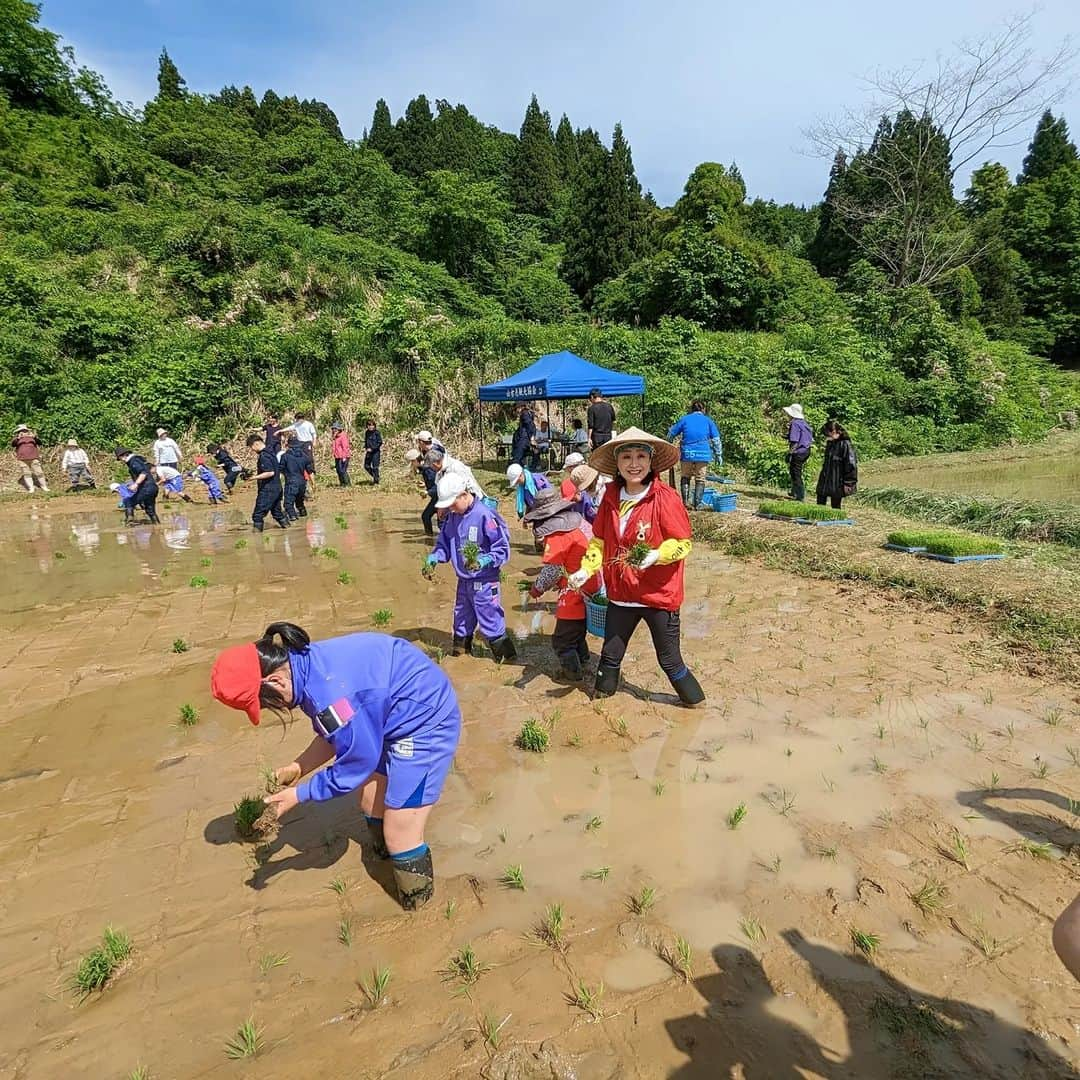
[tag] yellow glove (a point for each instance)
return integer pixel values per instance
(673, 551)
(593, 558)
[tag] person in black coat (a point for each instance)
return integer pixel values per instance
(523, 436)
(839, 474)
(293, 464)
(146, 489)
(267, 476)
(372, 450)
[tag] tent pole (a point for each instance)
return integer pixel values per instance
(547, 405)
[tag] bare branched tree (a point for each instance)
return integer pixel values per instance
(979, 98)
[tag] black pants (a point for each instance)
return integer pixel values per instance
(146, 497)
(309, 457)
(268, 501)
(569, 637)
(664, 627)
(295, 493)
(231, 476)
(519, 452)
(428, 516)
(599, 438)
(372, 459)
(836, 500)
(795, 467)
(341, 467)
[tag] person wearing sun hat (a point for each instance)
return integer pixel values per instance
(800, 440)
(166, 450)
(77, 466)
(475, 541)
(384, 716)
(558, 525)
(581, 488)
(641, 536)
(27, 449)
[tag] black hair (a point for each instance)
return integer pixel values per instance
(273, 655)
(371, 420)
(595, 392)
(255, 437)
(576, 422)
(831, 426)
(301, 416)
(697, 405)
(212, 448)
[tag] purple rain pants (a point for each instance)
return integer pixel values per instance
(477, 602)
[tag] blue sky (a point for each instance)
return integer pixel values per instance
(714, 80)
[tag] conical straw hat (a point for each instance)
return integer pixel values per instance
(665, 455)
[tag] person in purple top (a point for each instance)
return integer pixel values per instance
(524, 485)
(800, 440)
(475, 541)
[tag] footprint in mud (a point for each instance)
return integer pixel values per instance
(30, 774)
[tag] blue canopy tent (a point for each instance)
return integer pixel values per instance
(559, 377)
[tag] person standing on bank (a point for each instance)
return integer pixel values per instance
(641, 536)
(383, 714)
(146, 489)
(27, 449)
(77, 466)
(166, 450)
(839, 476)
(523, 436)
(800, 440)
(600, 418)
(699, 445)
(272, 433)
(268, 496)
(372, 450)
(342, 451)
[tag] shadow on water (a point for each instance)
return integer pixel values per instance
(892, 1030)
(1035, 826)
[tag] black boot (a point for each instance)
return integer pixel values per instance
(462, 645)
(583, 653)
(684, 487)
(607, 681)
(688, 689)
(257, 526)
(699, 489)
(571, 667)
(415, 880)
(502, 648)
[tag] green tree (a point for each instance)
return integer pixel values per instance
(1049, 149)
(566, 149)
(464, 224)
(171, 85)
(712, 196)
(833, 250)
(34, 72)
(534, 174)
(414, 151)
(996, 266)
(381, 135)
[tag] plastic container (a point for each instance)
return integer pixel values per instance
(722, 503)
(595, 616)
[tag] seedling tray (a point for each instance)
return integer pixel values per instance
(719, 479)
(907, 550)
(958, 558)
(806, 521)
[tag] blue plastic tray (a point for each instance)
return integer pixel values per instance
(719, 479)
(908, 550)
(805, 521)
(958, 558)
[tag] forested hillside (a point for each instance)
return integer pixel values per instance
(213, 253)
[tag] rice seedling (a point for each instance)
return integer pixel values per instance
(59, 555)
(990, 946)
(464, 967)
(204, 561)
(533, 736)
(884, 820)
(619, 727)
(993, 783)
(246, 813)
(341, 521)
(881, 731)
(1052, 717)
(879, 697)
(381, 617)
(659, 787)
(634, 555)
(1074, 754)
(829, 853)
(328, 552)
(735, 817)
(748, 735)
(1032, 848)
(752, 929)
(959, 851)
(1041, 768)
(878, 765)
(339, 886)
(549, 930)
(929, 898)
(502, 835)
(678, 956)
(513, 877)
(99, 965)
(1010, 730)
(865, 942)
(240, 544)
(781, 802)
(189, 715)
(374, 989)
(788, 751)
(449, 910)
(988, 696)
(788, 508)
(942, 542)
(587, 999)
(197, 581)
(593, 823)
(247, 1042)
(1073, 806)
(345, 578)
(179, 645)
(269, 961)
(491, 1029)
(574, 740)
(344, 934)
(140, 1072)
(470, 552)
(974, 740)
(599, 874)
(830, 785)
(642, 902)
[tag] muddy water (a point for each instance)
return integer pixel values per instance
(860, 735)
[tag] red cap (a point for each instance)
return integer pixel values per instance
(200, 460)
(235, 679)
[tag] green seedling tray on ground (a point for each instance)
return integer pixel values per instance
(957, 558)
(805, 521)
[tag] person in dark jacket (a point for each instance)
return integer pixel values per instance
(230, 467)
(146, 489)
(523, 436)
(268, 499)
(600, 418)
(800, 441)
(839, 474)
(372, 450)
(293, 464)
(427, 474)
(272, 433)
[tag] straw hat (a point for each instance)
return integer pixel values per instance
(583, 476)
(73, 442)
(161, 432)
(794, 411)
(20, 427)
(664, 455)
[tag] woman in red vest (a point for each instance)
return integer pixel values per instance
(641, 536)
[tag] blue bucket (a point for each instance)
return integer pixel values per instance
(595, 616)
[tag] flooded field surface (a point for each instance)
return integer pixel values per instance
(846, 864)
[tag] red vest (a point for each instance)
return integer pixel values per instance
(658, 517)
(567, 549)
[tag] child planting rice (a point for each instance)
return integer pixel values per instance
(641, 536)
(476, 542)
(384, 716)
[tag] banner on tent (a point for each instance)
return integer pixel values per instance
(527, 392)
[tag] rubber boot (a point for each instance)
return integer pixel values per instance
(684, 487)
(154, 519)
(129, 517)
(607, 681)
(378, 840)
(462, 645)
(415, 880)
(257, 528)
(571, 667)
(699, 489)
(688, 689)
(583, 653)
(502, 648)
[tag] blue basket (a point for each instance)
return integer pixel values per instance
(718, 501)
(595, 617)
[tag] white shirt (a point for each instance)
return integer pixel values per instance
(74, 457)
(166, 472)
(304, 429)
(166, 452)
(452, 465)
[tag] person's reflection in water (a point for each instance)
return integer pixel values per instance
(176, 533)
(87, 536)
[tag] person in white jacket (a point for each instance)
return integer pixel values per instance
(77, 466)
(444, 465)
(166, 451)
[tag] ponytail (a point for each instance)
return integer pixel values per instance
(272, 655)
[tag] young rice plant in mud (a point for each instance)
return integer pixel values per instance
(374, 988)
(678, 956)
(247, 1042)
(912, 1024)
(549, 931)
(381, 617)
(198, 581)
(491, 1028)
(328, 552)
(930, 897)
(1033, 849)
(449, 910)
(865, 942)
(599, 874)
(464, 967)
(240, 544)
(752, 930)
(180, 645)
(587, 999)
(204, 561)
(513, 877)
(140, 1072)
(345, 578)
(534, 736)
(641, 903)
(593, 823)
(269, 961)
(735, 818)
(339, 886)
(341, 521)
(189, 715)
(344, 934)
(958, 851)
(99, 965)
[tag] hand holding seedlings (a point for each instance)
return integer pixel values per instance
(283, 801)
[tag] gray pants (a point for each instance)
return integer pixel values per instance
(79, 475)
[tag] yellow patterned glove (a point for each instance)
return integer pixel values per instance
(673, 551)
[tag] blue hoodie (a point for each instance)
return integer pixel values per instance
(479, 525)
(700, 438)
(384, 687)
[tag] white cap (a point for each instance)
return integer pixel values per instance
(513, 474)
(160, 431)
(114, 487)
(573, 460)
(413, 455)
(424, 436)
(449, 488)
